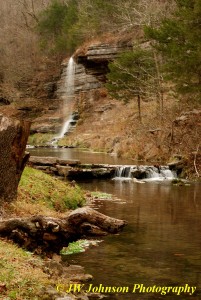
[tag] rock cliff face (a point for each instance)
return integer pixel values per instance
(91, 67)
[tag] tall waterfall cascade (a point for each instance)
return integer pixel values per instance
(68, 102)
(146, 173)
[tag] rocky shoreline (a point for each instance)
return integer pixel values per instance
(74, 277)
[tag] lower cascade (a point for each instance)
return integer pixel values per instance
(66, 127)
(144, 172)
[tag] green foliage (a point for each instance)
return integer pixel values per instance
(133, 74)
(95, 17)
(75, 247)
(79, 246)
(178, 40)
(55, 26)
(65, 25)
(52, 19)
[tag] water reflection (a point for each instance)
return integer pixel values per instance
(83, 155)
(160, 246)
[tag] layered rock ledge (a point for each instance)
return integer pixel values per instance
(91, 67)
(74, 169)
(70, 168)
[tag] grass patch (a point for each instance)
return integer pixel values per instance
(101, 196)
(21, 272)
(21, 276)
(41, 193)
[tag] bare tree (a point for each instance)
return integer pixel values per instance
(19, 43)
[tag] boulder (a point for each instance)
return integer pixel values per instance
(69, 162)
(63, 170)
(138, 173)
(42, 161)
(177, 163)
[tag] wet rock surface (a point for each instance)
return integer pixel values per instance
(74, 169)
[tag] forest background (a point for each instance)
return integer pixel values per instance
(161, 72)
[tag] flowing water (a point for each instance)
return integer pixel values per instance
(160, 246)
(65, 128)
(68, 100)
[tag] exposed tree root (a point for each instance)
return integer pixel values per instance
(47, 235)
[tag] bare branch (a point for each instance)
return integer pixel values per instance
(194, 162)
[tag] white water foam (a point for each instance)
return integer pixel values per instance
(68, 99)
(147, 173)
(65, 128)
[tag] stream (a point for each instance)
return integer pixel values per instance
(160, 246)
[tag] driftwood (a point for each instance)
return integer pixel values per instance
(49, 235)
(13, 139)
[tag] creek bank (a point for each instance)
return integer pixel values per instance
(47, 235)
(38, 189)
(39, 278)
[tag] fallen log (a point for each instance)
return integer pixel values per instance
(47, 235)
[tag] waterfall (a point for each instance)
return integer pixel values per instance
(147, 173)
(66, 126)
(70, 78)
(68, 99)
(123, 172)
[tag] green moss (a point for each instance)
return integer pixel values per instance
(39, 139)
(101, 196)
(36, 186)
(75, 247)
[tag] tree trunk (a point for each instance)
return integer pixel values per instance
(49, 235)
(139, 107)
(13, 139)
(159, 87)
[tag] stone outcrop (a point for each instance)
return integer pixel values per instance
(73, 169)
(83, 81)
(178, 163)
(91, 66)
(90, 75)
(101, 52)
(13, 139)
